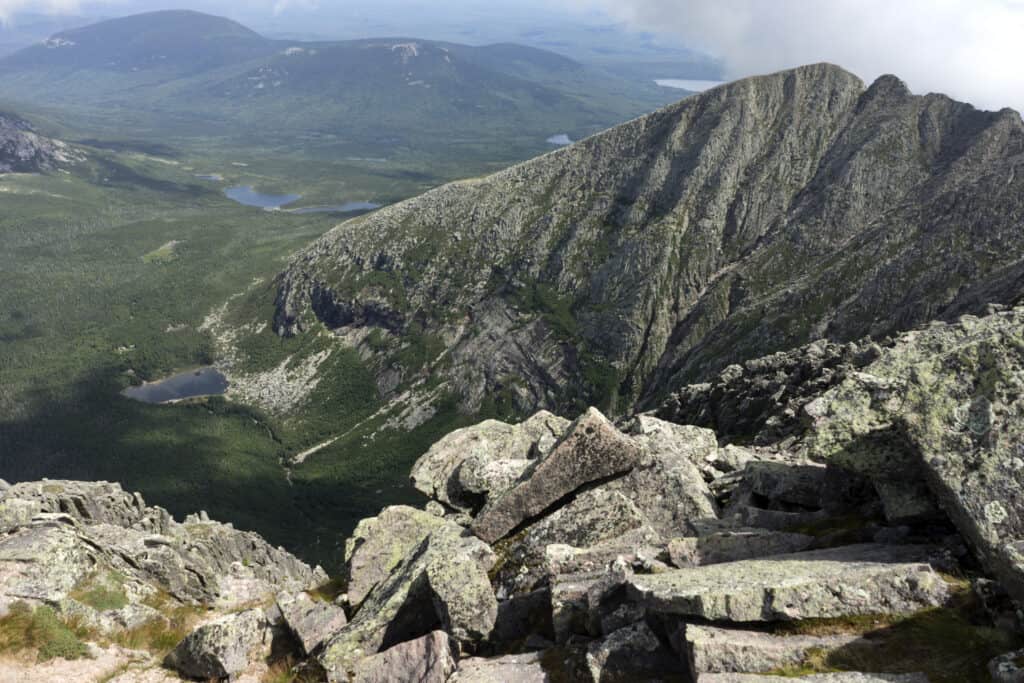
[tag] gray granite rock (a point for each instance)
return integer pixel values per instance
(526, 668)
(475, 463)
(861, 579)
(591, 450)
(730, 546)
(222, 648)
(311, 621)
(721, 650)
(846, 677)
(443, 582)
(424, 660)
(380, 543)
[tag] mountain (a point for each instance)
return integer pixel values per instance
(28, 29)
(168, 42)
(212, 75)
(22, 150)
(755, 217)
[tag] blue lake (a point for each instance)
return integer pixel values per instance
(191, 384)
(245, 194)
(338, 208)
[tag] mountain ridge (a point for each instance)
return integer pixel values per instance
(776, 196)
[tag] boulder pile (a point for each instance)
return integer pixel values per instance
(865, 529)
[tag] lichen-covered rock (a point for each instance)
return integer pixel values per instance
(526, 668)
(311, 621)
(629, 654)
(851, 580)
(222, 648)
(423, 660)
(954, 394)
(442, 583)
(591, 450)
(845, 677)
(720, 650)
(1008, 668)
(730, 546)
(380, 543)
(196, 561)
(470, 465)
(786, 483)
(666, 483)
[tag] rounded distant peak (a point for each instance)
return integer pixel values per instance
(888, 85)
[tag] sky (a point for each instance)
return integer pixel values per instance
(970, 49)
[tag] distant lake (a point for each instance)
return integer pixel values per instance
(337, 208)
(202, 382)
(687, 84)
(245, 194)
(560, 139)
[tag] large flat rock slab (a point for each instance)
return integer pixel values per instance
(526, 668)
(859, 579)
(844, 677)
(722, 650)
(592, 449)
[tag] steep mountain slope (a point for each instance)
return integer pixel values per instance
(755, 217)
(22, 150)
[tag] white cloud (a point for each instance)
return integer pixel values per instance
(8, 8)
(281, 6)
(970, 49)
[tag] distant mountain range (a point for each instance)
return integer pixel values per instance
(215, 74)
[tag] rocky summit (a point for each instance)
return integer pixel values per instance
(22, 150)
(753, 218)
(834, 514)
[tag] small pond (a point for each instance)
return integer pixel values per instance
(347, 207)
(202, 382)
(245, 194)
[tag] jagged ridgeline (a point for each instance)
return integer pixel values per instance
(755, 217)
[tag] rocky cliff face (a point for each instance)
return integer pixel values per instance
(22, 150)
(856, 519)
(758, 216)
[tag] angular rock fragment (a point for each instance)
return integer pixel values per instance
(591, 450)
(222, 648)
(845, 677)
(527, 668)
(720, 650)
(851, 580)
(424, 660)
(442, 583)
(730, 546)
(380, 543)
(793, 483)
(629, 654)
(953, 393)
(469, 465)
(311, 621)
